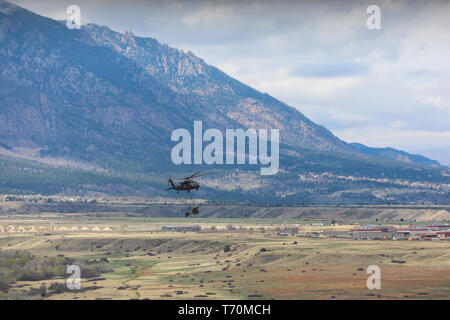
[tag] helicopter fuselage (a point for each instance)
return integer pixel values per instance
(187, 185)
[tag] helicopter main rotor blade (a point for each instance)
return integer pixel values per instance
(204, 174)
(193, 175)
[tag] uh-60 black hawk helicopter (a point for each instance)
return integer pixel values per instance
(187, 184)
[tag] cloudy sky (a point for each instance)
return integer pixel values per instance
(387, 87)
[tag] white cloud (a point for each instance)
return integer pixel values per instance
(209, 13)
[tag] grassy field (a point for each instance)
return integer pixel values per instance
(228, 264)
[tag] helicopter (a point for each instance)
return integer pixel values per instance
(186, 184)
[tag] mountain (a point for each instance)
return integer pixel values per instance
(393, 154)
(81, 93)
(107, 102)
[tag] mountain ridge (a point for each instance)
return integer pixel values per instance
(394, 154)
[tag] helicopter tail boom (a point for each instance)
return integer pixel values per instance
(171, 183)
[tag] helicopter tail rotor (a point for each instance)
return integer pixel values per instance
(170, 182)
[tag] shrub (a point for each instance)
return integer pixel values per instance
(58, 287)
(43, 291)
(5, 281)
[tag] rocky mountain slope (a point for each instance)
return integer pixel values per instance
(94, 93)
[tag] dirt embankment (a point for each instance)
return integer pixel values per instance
(341, 213)
(129, 245)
